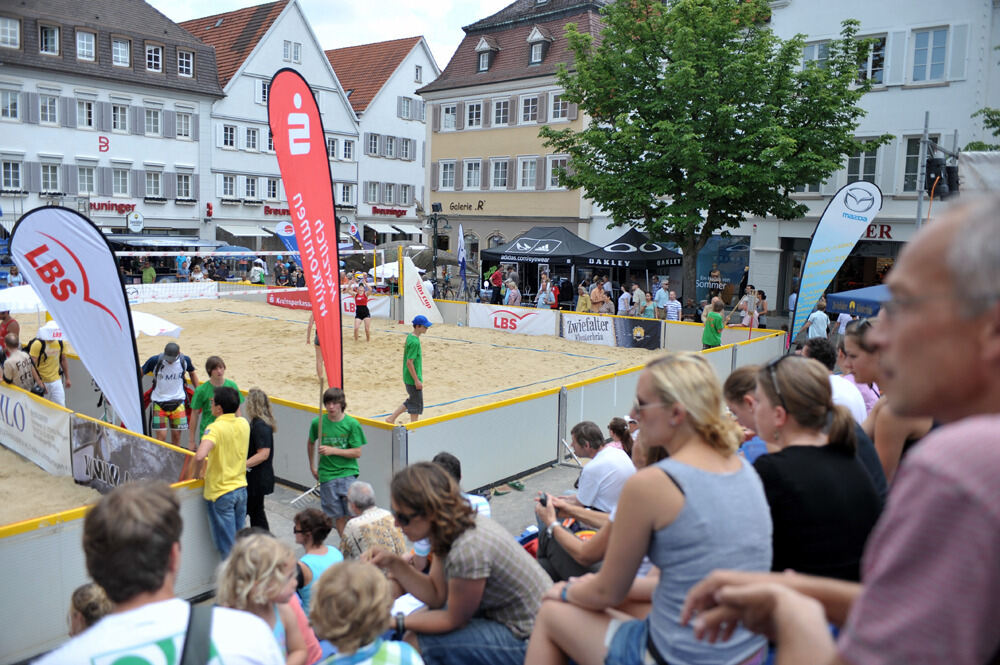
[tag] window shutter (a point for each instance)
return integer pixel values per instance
(169, 128)
(381, 145)
(399, 107)
(460, 115)
(32, 176)
(888, 179)
(364, 186)
(572, 111)
(218, 186)
(423, 152)
(137, 123)
(381, 193)
(895, 47)
(512, 173)
(68, 109)
(169, 185)
(436, 118)
(459, 176)
(219, 130)
(104, 116)
(540, 173)
(195, 136)
(70, 184)
(138, 183)
(543, 107)
(434, 174)
(829, 188)
(258, 91)
(487, 113)
(103, 181)
(195, 180)
(241, 137)
(418, 111)
(485, 177)
(367, 151)
(29, 102)
(959, 52)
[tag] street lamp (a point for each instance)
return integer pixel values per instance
(432, 223)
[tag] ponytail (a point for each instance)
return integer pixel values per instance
(722, 434)
(841, 434)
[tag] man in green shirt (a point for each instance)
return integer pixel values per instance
(413, 375)
(148, 273)
(711, 337)
(201, 401)
(339, 452)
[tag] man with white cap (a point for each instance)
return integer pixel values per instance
(168, 393)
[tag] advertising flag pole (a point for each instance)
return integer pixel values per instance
(399, 282)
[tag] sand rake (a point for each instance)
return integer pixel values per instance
(313, 492)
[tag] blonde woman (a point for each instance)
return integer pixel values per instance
(88, 605)
(583, 299)
(700, 509)
(351, 611)
(259, 578)
(260, 469)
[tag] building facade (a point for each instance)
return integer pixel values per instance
(245, 191)
(488, 167)
(381, 80)
(104, 108)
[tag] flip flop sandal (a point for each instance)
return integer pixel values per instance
(516, 484)
(497, 492)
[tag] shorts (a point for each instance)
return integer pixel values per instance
(176, 419)
(361, 312)
(316, 339)
(333, 496)
(414, 400)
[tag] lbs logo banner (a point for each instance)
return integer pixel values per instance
(523, 320)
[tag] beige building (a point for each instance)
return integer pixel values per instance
(487, 166)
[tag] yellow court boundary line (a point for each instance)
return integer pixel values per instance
(604, 377)
(41, 400)
(719, 348)
(479, 409)
(315, 410)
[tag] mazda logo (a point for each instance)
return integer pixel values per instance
(858, 199)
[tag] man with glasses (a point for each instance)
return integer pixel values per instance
(931, 583)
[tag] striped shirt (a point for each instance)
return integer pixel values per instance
(930, 571)
(673, 308)
(378, 653)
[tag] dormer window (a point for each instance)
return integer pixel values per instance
(536, 53)
(484, 61)
(538, 44)
(486, 50)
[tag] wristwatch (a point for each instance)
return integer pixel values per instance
(552, 525)
(400, 626)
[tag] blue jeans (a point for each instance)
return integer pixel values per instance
(226, 516)
(480, 642)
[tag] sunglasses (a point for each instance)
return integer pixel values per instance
(638, 405)
(771, 370)
(403, 518)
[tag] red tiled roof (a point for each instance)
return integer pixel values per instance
(511, 60)
(234, 34)
(363, 70)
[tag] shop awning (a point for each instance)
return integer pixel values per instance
(161, 241)
(244, 231)
(409, 228)
(381, 228)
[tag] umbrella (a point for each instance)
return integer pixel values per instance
(20, 300)
(863, 302)
(235, 248)
(387, 270)
(147, 324)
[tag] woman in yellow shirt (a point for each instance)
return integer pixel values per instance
(583, 302)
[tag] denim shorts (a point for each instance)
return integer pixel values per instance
(333, 496)
(627, 644)
(414, 399)
(479, 642)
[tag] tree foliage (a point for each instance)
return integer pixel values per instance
(991, 121)
(700, 116)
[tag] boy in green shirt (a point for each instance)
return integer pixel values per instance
(201, 401)
(339, 452)
(413, 373)
(712, 335)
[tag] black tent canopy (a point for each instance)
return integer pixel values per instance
(633, 249)
(555, 245)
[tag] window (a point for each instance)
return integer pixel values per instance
(119, 182)
(484, 61)
(228, 136)
(818, 52)
(229, 186)
(372, 192)
(807, 189)
(270, 140)
(119, 118)
(121, 52)
(449, 114)
(85, 180)
(555, 165)
(390, 146)
(911, 167)
(560, 108)
(252, 136)
(501, 111)
(390, 193)
(85, 43)
(183, 125)
(348, 150)
(265, 90)
(928, 54)
(153, 180)
(500, 174)
(418, 73)
(404, 148)
(447, 175)
(152, 122)
(84, 113)
(185, 63)
(48, 39)
(10, 35)
(154, 58)
(473, 174)
(292, 51)
(526, 173)
(251, 188)
(184, 186)
(872, 67)
(861, 165)
(373, 144)
(286, 53)
(536, 52)
(495, 240)
(272, 188)
(331, 148)
(474, 114)
(405, 107)
(48, 112)
(50, 177)
(346, 194)
(404, 195)
(9, 105)
(12, 175)
(529, 109)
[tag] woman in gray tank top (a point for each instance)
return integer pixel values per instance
(700, 509)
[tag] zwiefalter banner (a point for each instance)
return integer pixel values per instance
(588, 328)
(523, 320)
(73, 269)
(845, 219)
(300, 145)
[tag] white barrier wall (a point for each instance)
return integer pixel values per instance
(600, 399)
(682, 336)
(721, 360)
(761, 350)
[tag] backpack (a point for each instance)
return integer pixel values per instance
(42, 355)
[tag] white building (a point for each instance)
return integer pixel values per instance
(381, 80)
(246, 192)
(931, 57)
(105, 111)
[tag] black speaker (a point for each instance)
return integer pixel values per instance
(936, 169)
(952, 171)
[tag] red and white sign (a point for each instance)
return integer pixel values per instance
(377, 305)
(73, 269)
(389, 212)
(523, 320)
(305, 169)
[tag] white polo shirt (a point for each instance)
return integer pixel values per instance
(603, 477)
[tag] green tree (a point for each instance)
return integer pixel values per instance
(700, 116)
(991, 121)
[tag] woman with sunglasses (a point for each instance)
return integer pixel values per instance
(483, 589)
(700, 509)
(823, 503)
(311, 527)
(893, 435)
